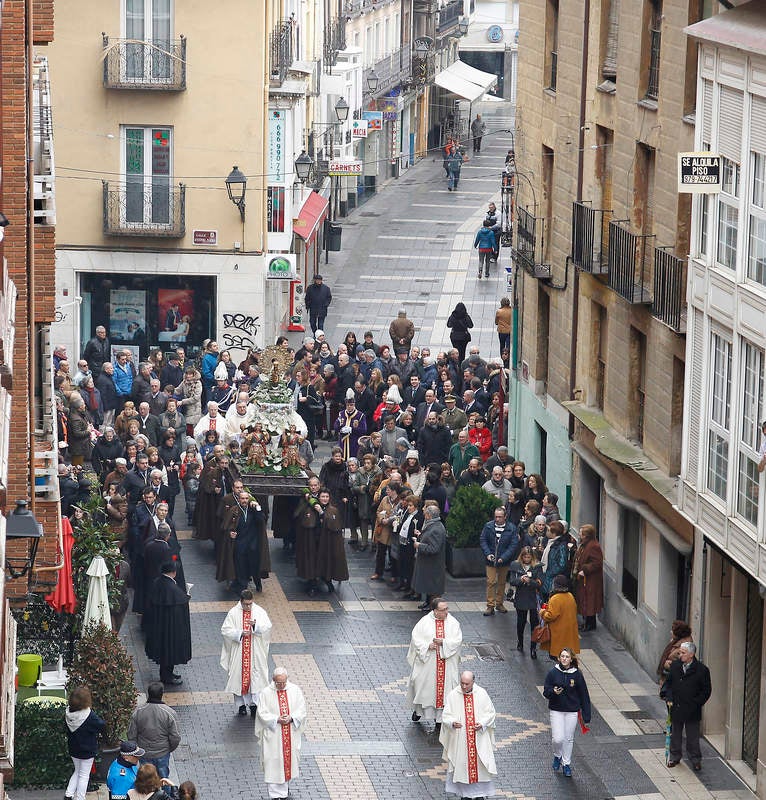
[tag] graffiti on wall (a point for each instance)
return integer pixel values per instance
(239, 331)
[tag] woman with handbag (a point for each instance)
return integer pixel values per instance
(560, 615)
(567, 695)
(526, 577)
(459, 323)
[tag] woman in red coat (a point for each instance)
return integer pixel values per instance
(588, 576)
(481, 436)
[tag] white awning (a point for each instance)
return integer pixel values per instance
(448, 80)
(291, 86)
(465, 81)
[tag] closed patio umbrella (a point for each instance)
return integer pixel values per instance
(97, 605)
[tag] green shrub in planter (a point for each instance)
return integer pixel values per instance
(42, 758)
(472, 508)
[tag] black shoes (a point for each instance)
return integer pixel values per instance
(253, 709)
(425, 606)
(415, 717)
(520, 647)
(490, 612)
(242, 711)
(258, 585)
(330, 587)
(533, 653)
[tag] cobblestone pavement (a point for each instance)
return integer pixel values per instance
(347, 650)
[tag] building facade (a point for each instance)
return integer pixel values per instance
(722, 488)
(605, 102)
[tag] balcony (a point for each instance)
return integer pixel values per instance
(391, 71)
(590, 248)
(355, 8)
(334, 40)
(282, 51)
(669, 305)
(45, 173)
(627, 264)
(448, 16)
(154, 65)
(529, 237)
(154, 209)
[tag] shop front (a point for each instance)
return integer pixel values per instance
(164, 300)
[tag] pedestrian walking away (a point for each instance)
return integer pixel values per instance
(503, 317)
(154, 727)
(454, 165)
(485, 241)
(460, 323)
(567, 695)
(686, 690)
(478, 129)
(317, 299)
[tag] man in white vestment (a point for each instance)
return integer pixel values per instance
(468, 738)
(237, 415)
(279, 723)
(434, 657)
(245, 653)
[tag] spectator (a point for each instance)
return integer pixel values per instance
(154, 727)
(83, 729)
(588, 573)
(317, 299)
(560, 612)
(123, 771)
(96, 351)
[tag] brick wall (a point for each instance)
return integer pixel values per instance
(42, 21)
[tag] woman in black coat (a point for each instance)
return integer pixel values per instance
(83, 728)
(525, 576)
(459, 323)
(107, 448)
(170, 455)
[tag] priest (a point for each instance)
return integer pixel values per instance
(246, 635)
(434, 658)
(468, 738)
(350, 426)
(167, 625)
(279, 723)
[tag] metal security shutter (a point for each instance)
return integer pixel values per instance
(730, 124)
(752, 671)
(695, 397)
(758, 125)
(707, 110)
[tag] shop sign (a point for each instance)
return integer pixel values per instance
(359, 129)
(341, 168)
(208, 238)
(276, 149)
(699, 173)
(281, 266)
(374, 120)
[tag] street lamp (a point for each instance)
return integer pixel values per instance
(372, 81)
(21, 524)
(236, 184)
(422, 46)
(463, 26)
(303, 165)
(342, 109)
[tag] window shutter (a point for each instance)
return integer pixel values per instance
(609, 67)
(707, 110)
(730, 124)
(694, 443)
(758, 125)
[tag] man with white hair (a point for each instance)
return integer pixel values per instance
(279, 723)
(238, 415)
(211, 421)
(468, 738)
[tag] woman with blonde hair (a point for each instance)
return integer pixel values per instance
(148, 783)
(525, 576)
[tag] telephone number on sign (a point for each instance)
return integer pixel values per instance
(700, 179)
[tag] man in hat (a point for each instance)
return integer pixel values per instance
(401, 330)
(317, 299)
(454, 417)
(350, 425)
(246, 635)
(172, 374)
(122, 773)
(279, 724)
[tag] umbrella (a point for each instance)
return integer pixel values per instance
(97, 605)
(62, 598)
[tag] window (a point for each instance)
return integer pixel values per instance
(655, 40)
(720, 403)
(751, 393)
(756, 248)
(548, 162)
(543, 338)
(631, 555)
(148, 167)
(369, 46)
(728, 214)
(148, 21)
(599, 349)
(637, 383)
(611, 22)
(551, 44)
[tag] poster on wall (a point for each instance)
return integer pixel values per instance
(175, 309)
(132, 349)
(127, 315)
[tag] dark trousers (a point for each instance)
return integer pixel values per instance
(166, 672)
(460, 347)
(521, 622)
(406, 563)
(380, 561)
(316, 319)
(505, 341)
(692, 740)
(484, 259)
(247, 560)
(477, 144)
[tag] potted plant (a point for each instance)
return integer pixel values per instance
(472, 508)
(102, 663)
(41, 729)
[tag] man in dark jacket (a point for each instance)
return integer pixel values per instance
(475, 474)
(96, 352)
(171, 374)
(105, 385)
(142, 384)
(154, 727)
(434, 441)
(686, 690)
(317, 299)
(500, 544)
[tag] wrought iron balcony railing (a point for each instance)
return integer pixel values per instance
(448, 15)
(653, 82)
(391, 71)
(669, 289)
(334, 40)
(153, 209)
(589, 244)
(528, 249)
(282, 50)
(355, 8)
(627, 264)
(156, 64)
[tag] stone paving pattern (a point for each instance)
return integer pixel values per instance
(347, 650)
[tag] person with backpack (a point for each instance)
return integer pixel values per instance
(485, 241)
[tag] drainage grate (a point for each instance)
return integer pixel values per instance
(645, 725)
(369, 213)
(489, 652)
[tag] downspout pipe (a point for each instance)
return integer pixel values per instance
(30, 270)
(641, 508)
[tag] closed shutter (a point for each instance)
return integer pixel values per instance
(694, 445)
(758, 125)
(730, 124)
(707, 111)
